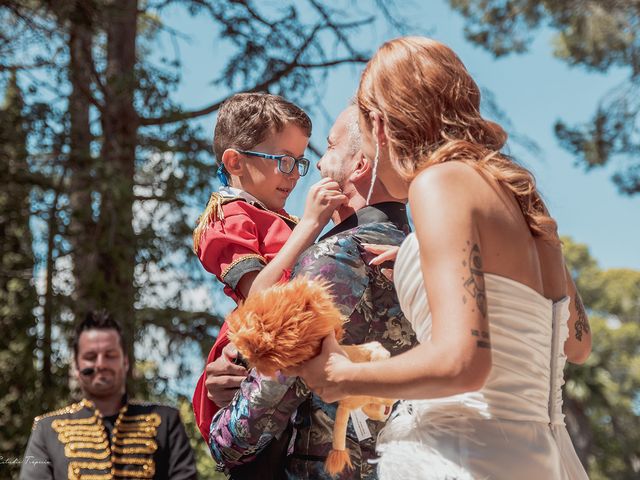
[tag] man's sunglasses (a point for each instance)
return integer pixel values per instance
(286, 163)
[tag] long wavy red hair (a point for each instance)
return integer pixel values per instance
(430, 107)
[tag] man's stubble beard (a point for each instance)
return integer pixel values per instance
(340, 177)
(111, 387)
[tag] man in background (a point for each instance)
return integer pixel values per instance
(106, 435)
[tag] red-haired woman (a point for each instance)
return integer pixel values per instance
(482, 280)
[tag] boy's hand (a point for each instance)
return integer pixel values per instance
(223, 377)
(323, 198)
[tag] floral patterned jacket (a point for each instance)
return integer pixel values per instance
(262, 408)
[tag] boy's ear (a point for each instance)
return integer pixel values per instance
(231, 160)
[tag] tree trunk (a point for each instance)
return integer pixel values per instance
(20, 392)
(116, 237)
(47, 317)
(82, 228)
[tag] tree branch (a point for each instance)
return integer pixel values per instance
(333, 63)
(86, 51)
(292, 65)
(34, 66)
(86, 91)
(190, 326)
(40, 180)
(338, 29)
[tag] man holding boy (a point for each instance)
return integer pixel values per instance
(244, 236)
(260, 413)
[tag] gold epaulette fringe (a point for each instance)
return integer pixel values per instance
(212, 213)
(214, 210)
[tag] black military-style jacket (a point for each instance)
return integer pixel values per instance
(145, 441)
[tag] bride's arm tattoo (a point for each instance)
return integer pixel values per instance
(474, 284)
(485, 342)
(582, 323)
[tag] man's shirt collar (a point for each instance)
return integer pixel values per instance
(393, 212)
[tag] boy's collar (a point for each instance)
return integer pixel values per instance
(232, 192)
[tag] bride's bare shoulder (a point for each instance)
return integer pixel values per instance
(446, 181)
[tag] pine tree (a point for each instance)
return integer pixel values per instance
(19, 382)
(598, 35)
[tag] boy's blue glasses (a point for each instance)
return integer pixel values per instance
(286, 163)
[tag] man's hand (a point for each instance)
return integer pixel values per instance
(223, 377)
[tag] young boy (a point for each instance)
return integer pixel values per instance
(244, 237)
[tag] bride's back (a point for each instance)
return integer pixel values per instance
(509, 249)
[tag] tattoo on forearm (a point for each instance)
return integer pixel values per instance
(485, 342)
(474, 284)
(582, 323)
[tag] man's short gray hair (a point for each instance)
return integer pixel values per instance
(353, 130)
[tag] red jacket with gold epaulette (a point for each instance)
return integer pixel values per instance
(241, 237)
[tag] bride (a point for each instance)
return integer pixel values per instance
(482, 280)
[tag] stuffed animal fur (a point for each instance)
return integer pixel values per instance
(284, 326)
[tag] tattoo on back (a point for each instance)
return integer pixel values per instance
(474, 284)
(582, 323)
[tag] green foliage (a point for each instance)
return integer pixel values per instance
(18, 370)
(604, 393)
(595, 34)
(204, 461)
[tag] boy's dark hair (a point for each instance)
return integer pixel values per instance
(96, 320)
(245, 119)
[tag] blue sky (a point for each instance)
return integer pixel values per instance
(534, 90)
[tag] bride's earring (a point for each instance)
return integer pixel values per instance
(375, 170)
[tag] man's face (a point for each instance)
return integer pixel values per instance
(101, 350)
(337, 162)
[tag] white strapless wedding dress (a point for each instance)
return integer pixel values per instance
(513, 428)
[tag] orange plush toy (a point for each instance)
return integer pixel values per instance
(283, 327)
